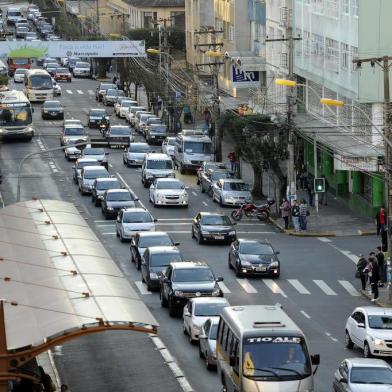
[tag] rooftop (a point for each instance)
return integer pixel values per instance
(155, 3)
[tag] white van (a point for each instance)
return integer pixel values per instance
(192, 149)
(259, 348)
(156, 165)
(13, 14)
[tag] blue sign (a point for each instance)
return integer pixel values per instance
(245, 76)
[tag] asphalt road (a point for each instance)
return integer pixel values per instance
(316, 288)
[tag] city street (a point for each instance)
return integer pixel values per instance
(317, 287)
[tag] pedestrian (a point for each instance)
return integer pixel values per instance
(381, 220)
(115, 80)
(159, 102)
(324, 194)
(232, 158)
(64, 388)
(309, 189)
(285, 212)
(374, 278)
(295, 215)
(381, 265)
(368, 272)
(361, 265)
(303, 214)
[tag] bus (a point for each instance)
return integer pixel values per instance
(38, 85)
(259, 348)
(16, 117)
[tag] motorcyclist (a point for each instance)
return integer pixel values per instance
(104, 124)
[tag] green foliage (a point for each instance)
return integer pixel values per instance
(3, 80)
(176, 38)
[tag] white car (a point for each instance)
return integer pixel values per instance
(82, 69)
(56, 88)
(19, 75)
(197, 311)
(135, 153)
(168, 191)
(370, 328)
(121, 107)
(168, 146)
(72, 153)
(133, 220)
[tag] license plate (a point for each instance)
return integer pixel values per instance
(261, 269)
(152, 137)
(219, 237)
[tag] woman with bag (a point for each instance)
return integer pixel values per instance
(360, 273)
(285, 212)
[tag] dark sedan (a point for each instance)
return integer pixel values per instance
(211, 226)
(95, 117)
(52, 110)
(116, 199)
(254, 258)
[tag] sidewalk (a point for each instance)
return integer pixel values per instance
(383, 298)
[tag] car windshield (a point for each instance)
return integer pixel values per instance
(20, 61)
(276, 357)
(235, 186)
(92, 174)
(98, 112)
(16, 116)
(119, 196)
(198, 147)
(158, 128)
(159, 164)
(41, 82)
(171, 142)
(137, 217)
(169, 185)
(164, 259)
(126, 104)
(255, 248)
(52, 66)
(193, 275)
(21, 71)
(103, 185)
(154, 121)
(120, 131)
(139, 148)
(213, 332)
(209, 309)
(215, 220)
(83, 164)
(156, 240)
(93, 151)
(73, 131)
(371, 375)
(52, 104)
(112, 91)
(380, 321)
(62, 70)
(82, 65)
(107, 86)
(215, 176)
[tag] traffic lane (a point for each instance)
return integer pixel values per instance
(352, 247)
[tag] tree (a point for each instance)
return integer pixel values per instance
(260, 142)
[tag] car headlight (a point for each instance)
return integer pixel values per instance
(46, 111)
(376, 341)
(187, 161)
(153, 275)
(216, 292)
(204, 232)
(232, 232)
(1, 131)
(110, 208)
(178, 293)
(274, 264)
(100, 197)
(148, 175)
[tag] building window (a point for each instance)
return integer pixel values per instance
(231, 32)
(317, 45)
(366, 186)
(346, 7)
(332, 9)
(306, 42)
(298, 45)
(332, 54)
(318, 6)
(354, 55)
(354, 7)
(345, 55)
(148, 19)
(177, 19)
(218, 24)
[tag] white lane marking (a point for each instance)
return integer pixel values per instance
(206, 204)
(55, 170)
(69, 92)
(175, 219)
(324, 287)
(85, 110)
(91, 92)
(110, 165)
(171, 224)
(244, 283)
(109, 233)
(324, 239)
(305, 314)
(1, 200)
(80, 92)
(273, 286)
(334, 339)
(350, 288)
(298, 286)
(141, 287)
(354, 258)
(194, 193)
(224, 288)
(129, 188)
(107, 225)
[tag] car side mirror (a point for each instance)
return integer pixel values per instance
(202, 336)
(232, 360)
(315, 358)
(136, 199)
(277, 252)
(361, 325)
(155, 220)
(234, 223)
(107, 153)
(176, 243)
(219, 279)
(186, 313)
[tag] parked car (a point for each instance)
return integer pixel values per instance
(119, 136)
(62, 74)
(155, 261)
(52, 110)
(87, 177)
(95, 117)
(205, 166)
(114, 200)
(254, 258)
(370, 329)
(101, 185)
(168, 191)
(143, 240)
(135, 153)
(130, 114)
(143, 122)
(121, 107)
(185, 280)
(80, 164)
(231, 192)
(168, 146)
(207, 342)
(133, 220)
(111, 96)
(134, 120)
(212, 227)
(208, 179)
(19, 75)
(102, 89)
(363, 375)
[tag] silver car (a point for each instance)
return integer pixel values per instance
(232, 192)
(135, 153)
(363, 375)
(88, 176)
(207, 342)
(96, 153)
(168, 146)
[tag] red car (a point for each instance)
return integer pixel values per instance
(62, 74)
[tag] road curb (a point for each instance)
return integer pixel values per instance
(366, 232)
(377, 302)
(302, 234)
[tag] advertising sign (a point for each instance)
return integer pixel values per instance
(244, 78)
(95, 49)
(355, 163)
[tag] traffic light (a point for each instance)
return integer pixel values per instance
(319, 185)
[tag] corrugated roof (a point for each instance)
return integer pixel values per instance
(156, 3)
(58, 277)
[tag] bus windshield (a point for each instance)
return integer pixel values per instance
(20, 61)
(276, 358)
(41, 82)
(15, 116)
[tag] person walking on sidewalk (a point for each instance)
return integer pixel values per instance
(285, 212)
(295, 215)
(361, 265)
(324, 194)
(309, 189)
(303, 213)
(381, 220)
(381, 266)
(374, 278)
(233, 159)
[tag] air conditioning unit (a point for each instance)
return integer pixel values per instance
(284, 17)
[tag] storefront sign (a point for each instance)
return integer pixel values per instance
(355, 163)
(41, 49)
(244, 78)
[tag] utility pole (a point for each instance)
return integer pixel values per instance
(384, 63)
(214, 68)
(290, 39)
(97, 16)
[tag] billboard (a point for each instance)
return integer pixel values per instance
(39, 49)
(244, 78)
(366, 164)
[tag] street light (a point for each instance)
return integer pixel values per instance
(286, 82)
(214, 53)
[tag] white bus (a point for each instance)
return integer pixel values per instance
(38, 85)
(259, 348)
(16, 119)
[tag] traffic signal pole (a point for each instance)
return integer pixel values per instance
(316, 203)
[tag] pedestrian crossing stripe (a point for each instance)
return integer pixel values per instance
(69, 92)
(91, 92)
(80, 92)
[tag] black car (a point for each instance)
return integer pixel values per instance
(254, 258)
(102, 89)
(212, 226)
(119, 136)
(95, 117)
(156, 133)
(116, 199)
(100, 186)
(155, 261)
(208, 178)
(147, 239)
(52, 110)
(185, 280)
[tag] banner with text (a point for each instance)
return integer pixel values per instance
(40, 49)
(369, 164)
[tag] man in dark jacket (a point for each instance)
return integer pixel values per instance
(374, 278)
(361, 265)
(381, 266)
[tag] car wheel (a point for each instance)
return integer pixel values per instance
(209, 192)
(366, 351)
(138, 265)
(96, 202)
(92, 199)
(207, 363)
(201, 354)
(107, 216)
(163, 300)
(182, 170)
(200, 239)
(191, 340)
(221, 201)
(172, 309)
(184, 329)
(143, 280)
(117, 233)
(201, 188)
(237, 271)
(229, 263)
(347, 341)
(124, 162)
(149, 288)
(122, 239)
(145, 183)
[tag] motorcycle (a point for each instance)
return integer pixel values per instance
(103, 128)
(261, 212)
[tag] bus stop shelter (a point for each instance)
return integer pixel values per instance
(58, 283)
